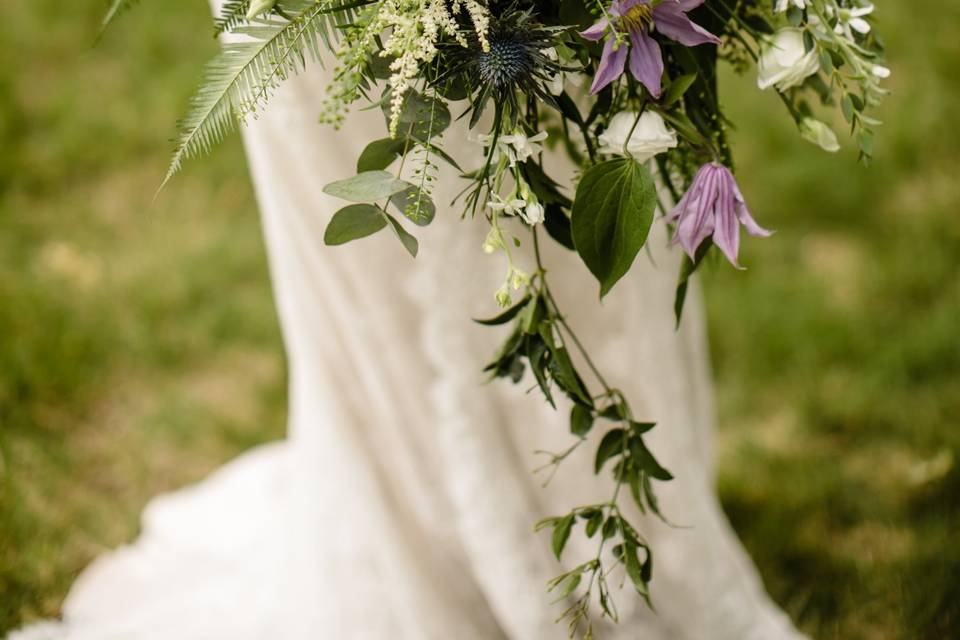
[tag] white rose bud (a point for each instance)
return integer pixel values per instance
(784, 62)
(650, 137)
(819, 134)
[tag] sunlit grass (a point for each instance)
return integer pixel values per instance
(140, 346)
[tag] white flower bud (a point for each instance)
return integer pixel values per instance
(784, 61)
(819, 134)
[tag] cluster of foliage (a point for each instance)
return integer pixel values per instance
(651, 115)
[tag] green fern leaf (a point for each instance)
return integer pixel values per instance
(241, 79)
(232, 14)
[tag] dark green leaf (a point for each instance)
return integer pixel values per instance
(677, 88)
(640, 428)
(561, 366)
(611, 445)
(408, 241)
(645, 460)
(593, 524)
(561, 533)
(609, 528)
(569, 584)
(379, 154)
(537, 357)
(581, 420)
(353, 222)
(557, 225)
(611, 217)
(507, 315)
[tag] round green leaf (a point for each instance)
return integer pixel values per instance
(379, 154)
(353, 222)
(415, 205)
(366, 186)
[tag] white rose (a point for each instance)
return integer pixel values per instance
(649, 138)
(784, 62)
(819, 134)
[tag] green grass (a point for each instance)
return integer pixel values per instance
(140, 346)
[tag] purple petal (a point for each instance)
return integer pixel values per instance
(611, 65)
(620, 7)
(743, 215)
(670, 20)
(726, 234)
(596, 32)
(698, 223)
(646, 61)
(689, 5)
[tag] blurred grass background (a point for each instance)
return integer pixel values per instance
(139, 344)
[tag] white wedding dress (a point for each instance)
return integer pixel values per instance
(401, 505)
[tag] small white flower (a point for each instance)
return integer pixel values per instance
(782, 5)
(520, 147)
(649, 138)
(819, 134)
(784, 60)
(510, 207)
(533, 213)
(880, 71)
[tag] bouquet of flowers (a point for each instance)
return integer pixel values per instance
(628, 89)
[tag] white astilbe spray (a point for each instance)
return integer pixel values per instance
(415, 26)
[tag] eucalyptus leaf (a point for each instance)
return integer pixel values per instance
(367, 186)
(353, 222)
(611, 217)
(408, 241)
(415, 205)
(379, 154)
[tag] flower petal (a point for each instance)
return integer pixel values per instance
(596, 32)
(743, 215)
(611, 65)
(646, 61)
(670, 20)
(726, 234)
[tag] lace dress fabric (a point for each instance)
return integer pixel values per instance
(402, 503)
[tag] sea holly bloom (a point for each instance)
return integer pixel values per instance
(713, 205)
(635, 19)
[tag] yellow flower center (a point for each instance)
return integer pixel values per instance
(638, 17)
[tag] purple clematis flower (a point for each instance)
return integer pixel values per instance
(713, 205)
(635, 18)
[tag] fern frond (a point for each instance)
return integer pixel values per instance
(232, 14)
(241, 79)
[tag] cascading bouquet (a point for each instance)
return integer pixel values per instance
(628, 88)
